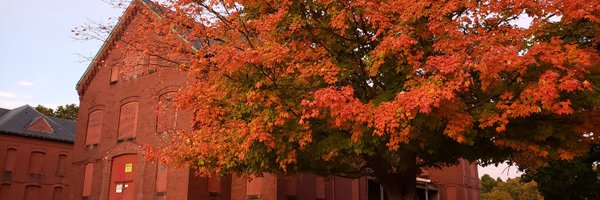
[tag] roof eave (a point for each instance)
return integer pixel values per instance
(38, 137)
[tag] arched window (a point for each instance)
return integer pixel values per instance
(214, 186)
(10, 162)
(128, 120)
(254, 187)
(451, 193)
(135, 65)
(87, 180)
(57, 194)
(36, 162)
(320, 188)
(94, 127)
(5, 191)
(32, 192)
(167, 113)
(114, 74)
(291, 185)
(61, 168)
(161, 179)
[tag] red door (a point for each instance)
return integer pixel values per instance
(122, 185)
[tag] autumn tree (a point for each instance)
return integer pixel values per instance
(68, 111)
(378, 88)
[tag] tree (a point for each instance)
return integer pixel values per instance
(45, 110)
(68, 111)
(497, 195)
(569, 180)
(378, 88)
(512, 189)
(487, 183)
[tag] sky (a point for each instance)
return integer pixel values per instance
(40, 61)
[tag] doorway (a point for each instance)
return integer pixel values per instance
(122, 173)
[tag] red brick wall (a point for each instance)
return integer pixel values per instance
(49, 183)
(129, 106)
(459, 182)
(41, 125)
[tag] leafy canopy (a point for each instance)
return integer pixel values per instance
(572, 179)
(68, 111)
(512, 189)
(380, 87)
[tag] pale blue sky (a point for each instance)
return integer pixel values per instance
(38, 56)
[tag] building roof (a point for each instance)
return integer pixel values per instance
(27, 122)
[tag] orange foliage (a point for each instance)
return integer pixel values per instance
(269, 74)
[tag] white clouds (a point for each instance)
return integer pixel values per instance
(25, 83)
(7, 104)
(8, 95)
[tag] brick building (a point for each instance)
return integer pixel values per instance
(121, 110)
(35, 155)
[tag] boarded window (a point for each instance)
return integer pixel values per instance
(167, 113)
(128, 120)
(153, 63)
(36, 162)
(161, 178)
(5, 191)
(57, 194)
(114, 74)
(451, 193)
(61, 168)
(94, 127)
(320, 187)
(87, 180)
(10, 162)
(135, 65)
(214, 184)
(254, 187)
(32, 192)
(355, 189)
(291, 185)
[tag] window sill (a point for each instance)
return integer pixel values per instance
(126, 139)
(253, 197)
(161, 194)
(91, 146)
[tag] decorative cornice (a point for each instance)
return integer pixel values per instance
(98, 62)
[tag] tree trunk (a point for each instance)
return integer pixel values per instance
(401, 184)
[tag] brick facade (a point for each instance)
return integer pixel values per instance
(43, 177)
(35, 155)
(120, 112)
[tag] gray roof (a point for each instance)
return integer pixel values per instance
(2, 111)
(16, 122)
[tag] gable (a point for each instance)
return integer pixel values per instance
(40, 124)
(25, 121)
(111, 46)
